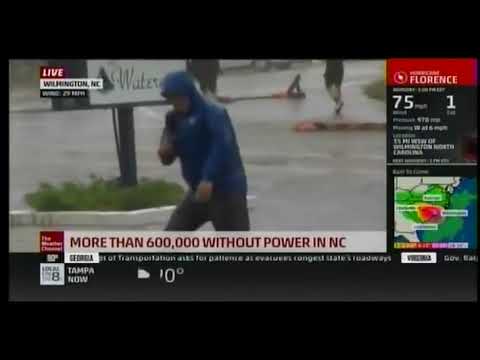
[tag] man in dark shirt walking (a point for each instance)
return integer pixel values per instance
(206, 72)
(333, 81)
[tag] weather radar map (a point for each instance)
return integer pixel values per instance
(435, 212)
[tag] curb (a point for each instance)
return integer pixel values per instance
(96, 218)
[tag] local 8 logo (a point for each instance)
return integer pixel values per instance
(400, 77)
(52, 274)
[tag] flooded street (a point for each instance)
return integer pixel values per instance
(302, 181)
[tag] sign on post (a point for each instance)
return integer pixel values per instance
(124, 85)
(130, 81)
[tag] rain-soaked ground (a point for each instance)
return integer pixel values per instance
(302, 181)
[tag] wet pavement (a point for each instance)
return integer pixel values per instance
(302, 181)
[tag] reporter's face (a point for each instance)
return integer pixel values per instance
(180, 103)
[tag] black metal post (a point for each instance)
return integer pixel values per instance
(128, 162)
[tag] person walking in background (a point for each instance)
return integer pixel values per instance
(333, 81)
(201, 134)
(206, 72)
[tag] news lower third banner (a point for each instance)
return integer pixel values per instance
(192, 242)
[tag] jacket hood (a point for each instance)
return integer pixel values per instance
(180, 83)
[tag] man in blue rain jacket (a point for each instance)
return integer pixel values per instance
(200, 133)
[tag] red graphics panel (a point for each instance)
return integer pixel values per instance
(432, 72)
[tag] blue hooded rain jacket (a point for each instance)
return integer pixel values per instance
(204, 139)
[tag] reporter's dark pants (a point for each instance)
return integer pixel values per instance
(227, 212)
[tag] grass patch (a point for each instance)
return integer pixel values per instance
(104, 195)
(376, 90)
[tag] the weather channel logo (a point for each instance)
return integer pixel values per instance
(52, 274)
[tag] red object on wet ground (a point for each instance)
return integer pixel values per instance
(306, 126)
(311, 126)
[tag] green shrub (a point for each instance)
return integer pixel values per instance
(104, 195)
(376, 90)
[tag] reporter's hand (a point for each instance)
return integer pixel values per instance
(204, 191)
(165, 150)
(166, 154)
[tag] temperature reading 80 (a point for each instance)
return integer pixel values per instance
(407, 101)
(170, 274)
